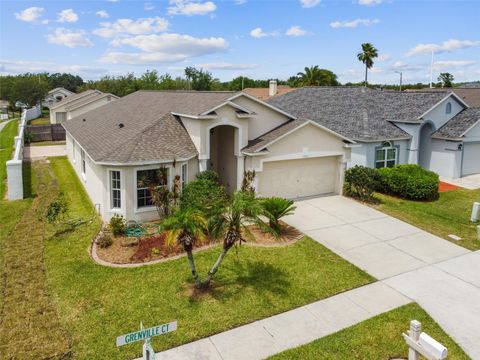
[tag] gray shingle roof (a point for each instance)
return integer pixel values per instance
(358, 113)
(75, 97)
(456, 126)
(149, 132)
(271, 135)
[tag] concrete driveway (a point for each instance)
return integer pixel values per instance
(442, 277)
(41, 152)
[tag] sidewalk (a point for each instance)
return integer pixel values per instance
(272, 335)
(41, 152)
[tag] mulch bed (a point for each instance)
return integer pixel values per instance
(154, 246)
(444, 187)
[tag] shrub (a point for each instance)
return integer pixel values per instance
(57, 209)
(117, 224)
(104, 241)
(275, 208)
(360, 182)
(207, 196)
(409, 182)
(208, 175)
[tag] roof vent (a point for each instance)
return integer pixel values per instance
(84, 119)
(121, 125)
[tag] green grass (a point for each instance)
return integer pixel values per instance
(40, 121)
(450, 214)
(377, 338)
(6, 149)
(97, 303)
(47, 143)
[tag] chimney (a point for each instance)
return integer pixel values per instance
(272, 89)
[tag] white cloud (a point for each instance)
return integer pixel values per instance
(353, 23)
(20, 66)
(30, 14)
(453, 64)
(45, 22)
(131, 27)
(112, 0)
(67, 15)
(240, 2)
(369, 2)
(227, 66)
(148, 6)
(190, 7)
(310, 3)
(446, 46)
(384, 57)
(164, 48)
(296, 31)
(69, 38)
(102, 14)
(259, 33)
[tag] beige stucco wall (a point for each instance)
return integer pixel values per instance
(90, 106)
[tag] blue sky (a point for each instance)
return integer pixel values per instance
(260, 39)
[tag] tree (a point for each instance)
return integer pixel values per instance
(187, 227)
(30, 89)
(199, 79)
(274, 208)
(446, 79)
(242, 210)
(67, 81)
(314, 76)
(366, 56)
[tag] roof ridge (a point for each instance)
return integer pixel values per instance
(189, 91)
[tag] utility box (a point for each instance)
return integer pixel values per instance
(475, 211)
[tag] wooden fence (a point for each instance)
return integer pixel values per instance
(52, 132)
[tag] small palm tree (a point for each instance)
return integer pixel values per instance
(310, 76)
(366, 56)
(187, 227)
(242, 211)
(275, 208)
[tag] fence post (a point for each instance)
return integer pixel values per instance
(415, 330)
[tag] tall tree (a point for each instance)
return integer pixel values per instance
(314, 76)
(446, 79)
(366, 56)
(29, 89)
(199, 79)
(67, 81)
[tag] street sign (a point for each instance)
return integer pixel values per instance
(144, 334)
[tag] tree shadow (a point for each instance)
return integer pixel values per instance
(28, 190)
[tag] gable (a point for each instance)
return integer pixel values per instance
(438, 115)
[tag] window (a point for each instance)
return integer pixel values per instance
(184, 174)
(386, 156)
(448, 108)
(82, 156)
(147, 179)
(115, 193)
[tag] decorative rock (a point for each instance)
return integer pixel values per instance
(129, 242)
(454, 237)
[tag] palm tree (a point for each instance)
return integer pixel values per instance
(187, 227)
(242, 210)
(310, 76)
(274, 208)
(366, 56)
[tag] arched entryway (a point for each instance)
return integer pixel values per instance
(222, 156)
(425, 145)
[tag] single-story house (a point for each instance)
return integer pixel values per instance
(435, 129)
(77, 104)
(56, 95)
(117, 148)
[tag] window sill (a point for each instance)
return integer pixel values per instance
(145, 209)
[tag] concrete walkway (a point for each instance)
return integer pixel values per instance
(41, 152)
(471, 182)
(442, 277)
(272, 335)
(3, 124)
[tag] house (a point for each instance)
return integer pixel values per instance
(267, 93)
(435, 129)
(77, 104)
(56, 95)
(117, 148)
(469, 94)
(4, 109)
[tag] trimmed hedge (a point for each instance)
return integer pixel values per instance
(409, 182)
(360, 182)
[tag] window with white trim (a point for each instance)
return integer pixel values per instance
(82, 157)
(184, 174)
(146, 179)
(386, 156)
(115, 192)
(448, 108)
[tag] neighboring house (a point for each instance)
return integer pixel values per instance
(4, 109)
(267, 93)
(117, 149)
(77, 104)
(56, 95)
(471, 95)
(391, 127)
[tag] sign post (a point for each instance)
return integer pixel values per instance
(146, 335)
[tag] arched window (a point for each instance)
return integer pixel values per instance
(385, 155)
(448, 109)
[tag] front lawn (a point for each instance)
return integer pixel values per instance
(450, 214)
(377, 338)
(96, 304)
(40, 121)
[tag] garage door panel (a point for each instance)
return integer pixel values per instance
(471, 159)
(298, 178)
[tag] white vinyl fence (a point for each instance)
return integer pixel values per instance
(14, 166)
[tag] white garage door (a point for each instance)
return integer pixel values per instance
(298, 178)
(471, 159)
